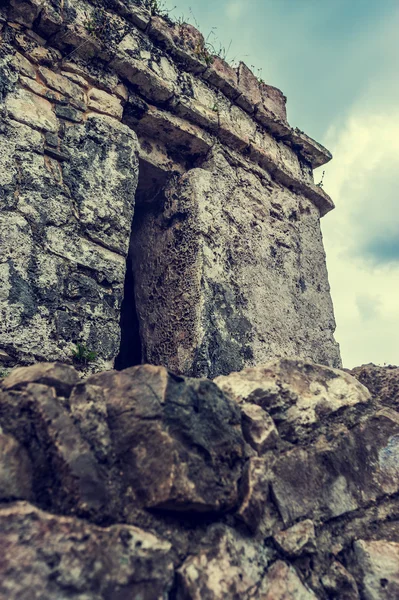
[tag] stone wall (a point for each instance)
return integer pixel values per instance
(98, 98)
(279, 482)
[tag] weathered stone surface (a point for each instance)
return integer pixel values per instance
(30, 109)
(283, 583)
(58, 287)
(334, 478)
(256, 508)
(258, 428)
(296, 393)
(57, 375)
(378, 562)
(230, 568)
(104, 103)
(170, 435)
(66, 475)
(339, 583)
(383, 382)
(50, 556)
(102, 176)
(200, 293)
(298, 539)
(15, 470)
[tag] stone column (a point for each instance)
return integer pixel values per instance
(230, 273)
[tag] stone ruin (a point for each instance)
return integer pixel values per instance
(156, 206)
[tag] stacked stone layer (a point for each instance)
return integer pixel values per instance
(278, 482)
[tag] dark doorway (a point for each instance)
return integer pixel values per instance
(130, 348)
(149, 197)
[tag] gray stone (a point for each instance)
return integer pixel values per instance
(258, 428)
(178, 442)
(378, 562)
(298, 539)
(61, 377)
(66, 475)
(283, 583)
(334, 478)
(15, 470)
(230, 567)
(297, 393)
(200, 291)
(51, 556)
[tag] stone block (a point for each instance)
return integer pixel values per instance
(336, 478)
(15, 470)
(32, 110)
(105, 103)
(297, 540)
(200, 293)
(49, 554)
(378, 562)
(178, 442)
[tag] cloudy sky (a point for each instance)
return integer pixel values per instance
(337, 62)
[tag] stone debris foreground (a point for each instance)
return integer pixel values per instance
(276, 483)
(111, 115)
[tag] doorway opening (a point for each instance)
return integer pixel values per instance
(151, 184)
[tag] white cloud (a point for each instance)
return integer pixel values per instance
(235, 9)
(362, 254)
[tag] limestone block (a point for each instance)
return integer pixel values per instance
(299, 393)
(273, 100)
(105, 192)
(332, 479)
(249, 87)
(297, 540)
(378, 562)
(63, 85)
(223, 76)
(15, 470)
(178, 442)
(25, 12)
(210, 268)
(23, 65)
(49, 554)
(30, 109)
(102, 102)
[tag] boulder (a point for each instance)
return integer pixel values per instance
(178, 441)
(378, 563)
(47, 556)
(298, 539)
(15, 470)
(57, 375)
(296, 393)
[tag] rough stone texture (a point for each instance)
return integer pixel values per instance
(15, 470)
(296, 393)
(173, 504)
(378, 562)
(298, 539)
(49, 556)
(169, 435)
(201, 295)
(66, 211)
(245, 274)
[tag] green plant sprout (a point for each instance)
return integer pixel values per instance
(82, 355)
